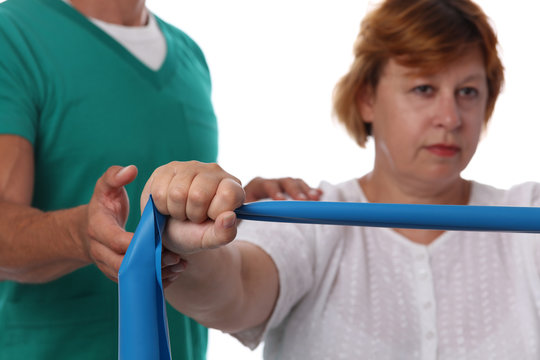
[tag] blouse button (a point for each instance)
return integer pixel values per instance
(430, 335)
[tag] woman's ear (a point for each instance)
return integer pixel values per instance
(365, 102)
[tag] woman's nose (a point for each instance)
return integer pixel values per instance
(448, 114)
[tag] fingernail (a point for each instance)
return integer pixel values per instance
(302, 196)
(170, 259)
(122, 171)
(229, 221)
(181, 266)
(280, 195)
(313, 193)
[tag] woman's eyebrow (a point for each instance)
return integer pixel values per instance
(473, 77)
(477, 76)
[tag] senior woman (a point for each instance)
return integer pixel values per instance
(423, 85)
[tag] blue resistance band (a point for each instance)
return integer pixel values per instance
(143, 333)
(405, 216)
(143, 330)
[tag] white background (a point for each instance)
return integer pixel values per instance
(274, 65)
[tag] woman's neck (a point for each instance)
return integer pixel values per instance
(383, 189)
(380, 189)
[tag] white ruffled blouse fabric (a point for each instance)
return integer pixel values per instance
(370, 293)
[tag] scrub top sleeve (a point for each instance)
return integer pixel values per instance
(18, 105)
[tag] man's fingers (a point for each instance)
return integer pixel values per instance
(297, 189)
(107, 231)
(260, 188)
(115, 177)
(168, 258)
(314, 194)
(106, 260)
(107, 241)
(110, 196)
(124, 176)
(174, 270)
(170, 273)
(273, 189)
(119, 240)
(280, 189)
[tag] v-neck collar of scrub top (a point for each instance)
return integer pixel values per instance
(157, 77)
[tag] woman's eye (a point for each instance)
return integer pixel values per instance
(468, 92)
(424, 89)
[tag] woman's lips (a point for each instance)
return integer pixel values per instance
(443, 150)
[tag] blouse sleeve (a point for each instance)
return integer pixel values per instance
(290, 247)
(528, 194)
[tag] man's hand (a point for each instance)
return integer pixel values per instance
(108, 210)
(279, 189)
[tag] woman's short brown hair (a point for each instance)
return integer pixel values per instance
(419, 33)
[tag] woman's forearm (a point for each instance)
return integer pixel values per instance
(231, 288)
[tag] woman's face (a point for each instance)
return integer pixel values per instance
(427, 127)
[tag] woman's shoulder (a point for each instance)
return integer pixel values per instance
(524, 194)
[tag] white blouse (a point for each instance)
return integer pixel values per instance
(370, 293)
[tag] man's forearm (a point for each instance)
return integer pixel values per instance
(37, 246)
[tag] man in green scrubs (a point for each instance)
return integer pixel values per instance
(74, 100)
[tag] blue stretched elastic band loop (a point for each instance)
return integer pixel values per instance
(411, 216)
(143, 330)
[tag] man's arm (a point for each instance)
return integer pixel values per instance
(37, 246)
